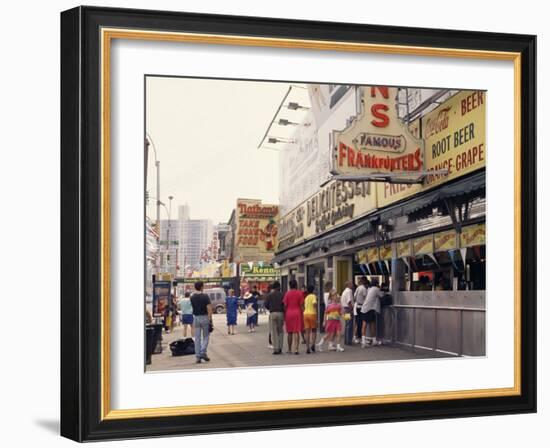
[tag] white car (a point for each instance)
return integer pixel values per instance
(217, 299)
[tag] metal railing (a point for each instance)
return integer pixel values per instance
(460, 325)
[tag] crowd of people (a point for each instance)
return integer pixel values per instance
(350, 315)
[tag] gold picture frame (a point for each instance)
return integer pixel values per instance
(108, 26)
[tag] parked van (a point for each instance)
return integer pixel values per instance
(217, 298)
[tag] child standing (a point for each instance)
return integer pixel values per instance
(333, 316)
(310, 319)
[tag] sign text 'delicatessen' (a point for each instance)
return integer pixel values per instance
(336, 203)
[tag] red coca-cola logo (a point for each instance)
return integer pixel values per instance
(437, 124)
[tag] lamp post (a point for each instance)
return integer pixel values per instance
(149, 142)
(168, 233)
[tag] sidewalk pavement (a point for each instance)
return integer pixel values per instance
(246, 349)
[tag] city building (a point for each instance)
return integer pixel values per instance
(229, 237)
(221, 231)
(196, 237)
(186, 243)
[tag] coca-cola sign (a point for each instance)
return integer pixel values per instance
(440, 122)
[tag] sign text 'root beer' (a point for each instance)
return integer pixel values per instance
(377, 141)
(455, 135)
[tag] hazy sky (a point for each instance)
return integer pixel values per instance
(206, 133)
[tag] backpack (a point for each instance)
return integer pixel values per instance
(182, 347)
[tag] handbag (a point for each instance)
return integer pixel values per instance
(250, 311)
(182, 347)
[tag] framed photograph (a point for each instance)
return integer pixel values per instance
(274, 223)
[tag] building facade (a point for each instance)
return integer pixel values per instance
(196, 238)
(424, 239)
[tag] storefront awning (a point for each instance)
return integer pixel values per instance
(359, 229)
(353, 232)
(460, 188)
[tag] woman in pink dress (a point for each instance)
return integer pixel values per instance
(294, 315)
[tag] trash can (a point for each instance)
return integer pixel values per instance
(156, 338)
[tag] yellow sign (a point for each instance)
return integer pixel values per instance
(362, 256)
(445, 241)
(228, 269)
(377, 141)
(257, 231)
(372, 254)
(454, 136)
(335, 204)
(423, 245)
(473, 235)
(404, 248)
(385, 253)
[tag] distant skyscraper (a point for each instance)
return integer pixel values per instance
(183, 212)
(196, 237)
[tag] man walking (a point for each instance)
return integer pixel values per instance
(202, 317)
(274, 303)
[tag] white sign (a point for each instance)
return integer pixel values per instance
(377, 141)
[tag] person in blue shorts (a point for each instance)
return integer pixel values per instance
(186, 313)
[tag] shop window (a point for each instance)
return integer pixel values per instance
(432, 272)
(472, 276)
(404, 275)
(422, 281)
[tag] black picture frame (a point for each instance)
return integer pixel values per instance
(81, 208)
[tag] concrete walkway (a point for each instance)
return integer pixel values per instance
(251, 350)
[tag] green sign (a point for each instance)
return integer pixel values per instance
(267, 270)
(191, 280)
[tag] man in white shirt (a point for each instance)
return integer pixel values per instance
(359, 298)
(371, 310)
(346, 300)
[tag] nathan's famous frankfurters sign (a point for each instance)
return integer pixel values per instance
(376, 141)
(257, 230)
